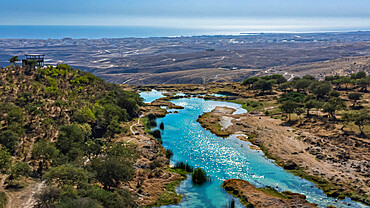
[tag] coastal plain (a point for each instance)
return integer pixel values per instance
(201, 59)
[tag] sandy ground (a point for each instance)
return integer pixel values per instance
(302, 146)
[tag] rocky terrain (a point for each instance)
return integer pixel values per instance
(251, 196)
(341, 160)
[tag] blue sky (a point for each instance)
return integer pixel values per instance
(215, 14)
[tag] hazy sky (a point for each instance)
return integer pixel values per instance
(216, 14)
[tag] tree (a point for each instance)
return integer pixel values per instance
(262, 85)
(308, 77)
(70, 136)
(157, 134)
(5, 161)
(279, 78)
(302, 85)
(67, 174)
(113, 127)
(20, 169)
(299, 111)
(118, 199)
(343, 81)
(289, 107)
(347, 117)
(250, 81)
(311, 103)
(334, 93)
(79, 203)
(358, 75)
(14, 115)
(13, 59)
(332, 105)
(285, 86)
(294, 96)
(320, 89)
(199, 176)
(362, 118)
(354, 97)
(9, 140)
(115, 167)
(44, 151)
(363, 83)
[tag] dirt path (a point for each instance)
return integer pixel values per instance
(32, 199)
(26, 197)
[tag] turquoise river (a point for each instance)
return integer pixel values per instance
(224, 159)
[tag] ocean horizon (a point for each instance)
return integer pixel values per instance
(98, 32)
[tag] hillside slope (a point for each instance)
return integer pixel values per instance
(54, 122)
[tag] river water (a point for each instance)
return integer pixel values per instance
(224, 159)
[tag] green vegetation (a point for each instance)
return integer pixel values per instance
(199, 176)
(3, 199)
(13, 59)
(169, 195)
(264, 84)
(307, 93)
(184, 166)
(337, 100)
(169, 153)
(59, 124)
(273, 192)
(209, 122)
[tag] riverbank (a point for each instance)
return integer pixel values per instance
(251, 196)
(291, 148)
(154, 182)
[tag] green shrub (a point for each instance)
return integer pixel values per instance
(169, 153)
(20, 169)
(3, 199)
(5, 160)
(184, 166)
(9, 140)
(157, 134)
(79, 203)
(199, 176)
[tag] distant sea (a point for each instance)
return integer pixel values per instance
(96, 32)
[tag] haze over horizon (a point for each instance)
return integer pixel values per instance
(233, 15)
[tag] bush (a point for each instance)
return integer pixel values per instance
(157, 134)
(169, 153)
(3, 200)
(79, 203)
(9, 140)
(354, 97)
(67, 174)
(5, 161)
(184, 166)
(114, 168)
(118, 199)
(20, 169)
(293, 96)
(48, 197)
(199, 176)
(320, 89)
(262, 85)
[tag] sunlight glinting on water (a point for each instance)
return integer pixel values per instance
(225, 158)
